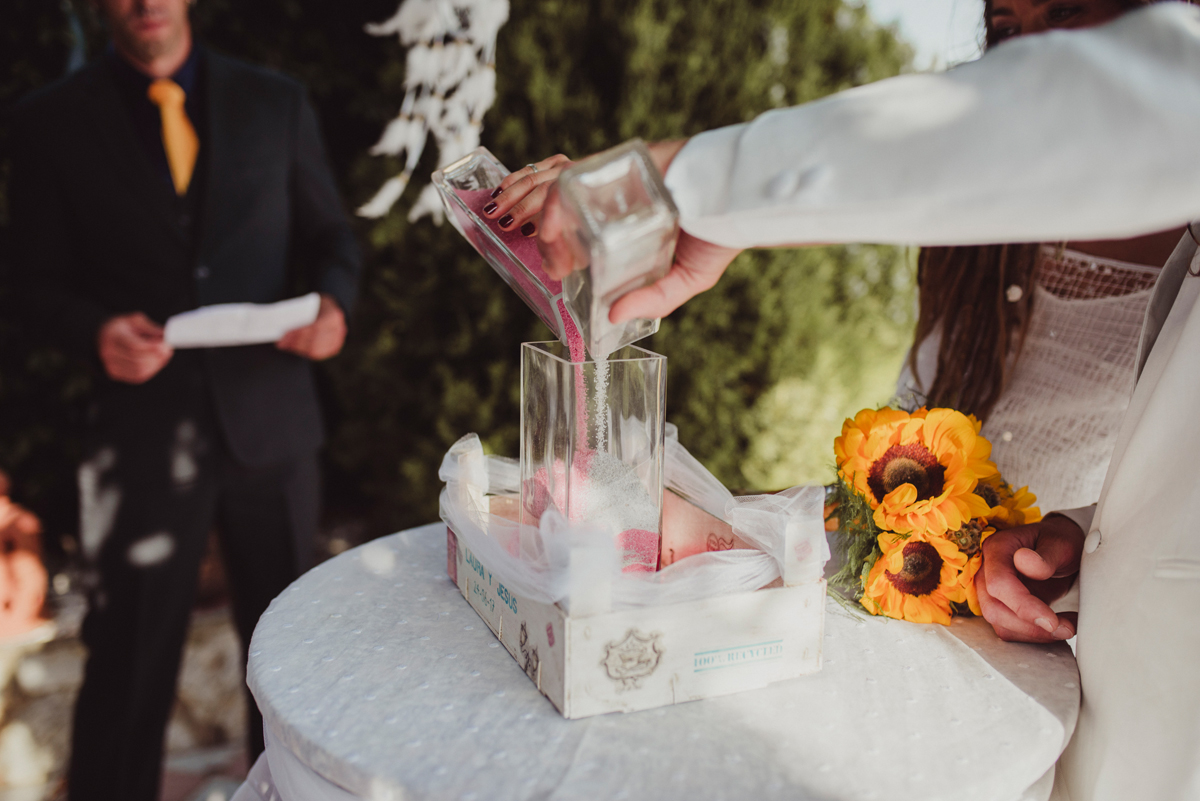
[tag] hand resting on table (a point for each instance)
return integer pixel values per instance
(1024, 570)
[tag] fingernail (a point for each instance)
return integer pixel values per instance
(489, 208)
(528, 229)
(506, 220)
(1063, 632)
(1045, 624)
(496, 192)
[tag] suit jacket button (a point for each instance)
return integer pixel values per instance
(1092, 542)
(202, 272)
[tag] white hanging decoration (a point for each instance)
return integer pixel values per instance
(428, 203)
(449, 84)
(387, 195)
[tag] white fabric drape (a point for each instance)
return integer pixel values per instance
(279, 775)
(384, 685)
(1064, 135)
(535, 561)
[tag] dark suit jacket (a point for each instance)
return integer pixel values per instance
(97, 233)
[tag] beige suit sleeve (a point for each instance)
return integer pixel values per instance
(1064, 135)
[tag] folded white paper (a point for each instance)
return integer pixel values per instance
(227, 324)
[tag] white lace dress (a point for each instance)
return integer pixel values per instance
(1055, 426)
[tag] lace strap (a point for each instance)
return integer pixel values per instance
(1071, 275)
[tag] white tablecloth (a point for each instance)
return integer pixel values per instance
(378, 681)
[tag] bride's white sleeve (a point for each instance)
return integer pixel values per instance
(1064, 135)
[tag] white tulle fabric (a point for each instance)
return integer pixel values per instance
(1055, 426)
(535, 561)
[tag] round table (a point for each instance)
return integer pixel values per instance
(377, 681)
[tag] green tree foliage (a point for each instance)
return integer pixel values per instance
(762, 368)
(578, 77)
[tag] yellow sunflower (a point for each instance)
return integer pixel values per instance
(916, 579)
(966, 581)
(1007, 507)
(918, 471)
(970, 539)
(856, 431)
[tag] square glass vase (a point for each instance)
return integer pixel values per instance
(592, 444)
(465, 186)
(622, 223)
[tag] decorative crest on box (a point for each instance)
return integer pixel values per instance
(532, 662)
(633, 658)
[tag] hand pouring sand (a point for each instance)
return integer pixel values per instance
(604, 489)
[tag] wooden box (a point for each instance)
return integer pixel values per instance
(647, 657)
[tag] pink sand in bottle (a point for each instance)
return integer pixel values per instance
(536, 287)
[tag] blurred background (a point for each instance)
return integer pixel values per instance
(762, 369)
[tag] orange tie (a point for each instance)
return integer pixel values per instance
(178, 135)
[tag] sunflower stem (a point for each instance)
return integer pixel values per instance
(856, 540)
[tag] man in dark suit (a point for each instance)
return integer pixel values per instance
(162, 178)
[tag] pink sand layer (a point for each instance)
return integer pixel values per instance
(639, 551)
(539, 497)
(637, 547)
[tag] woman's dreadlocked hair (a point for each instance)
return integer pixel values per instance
(965, 290)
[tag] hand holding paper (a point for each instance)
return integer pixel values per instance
(322, 338)
(132, 348)
(312, 326)
(229, 324)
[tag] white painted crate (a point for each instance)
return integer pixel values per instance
(647, 657)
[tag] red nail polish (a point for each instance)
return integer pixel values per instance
(496, 192)
(489, 208)
(506, 220)
(528, 229)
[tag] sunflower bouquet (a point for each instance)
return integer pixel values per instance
(915, 499)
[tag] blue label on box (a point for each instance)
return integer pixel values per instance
(737, 655)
